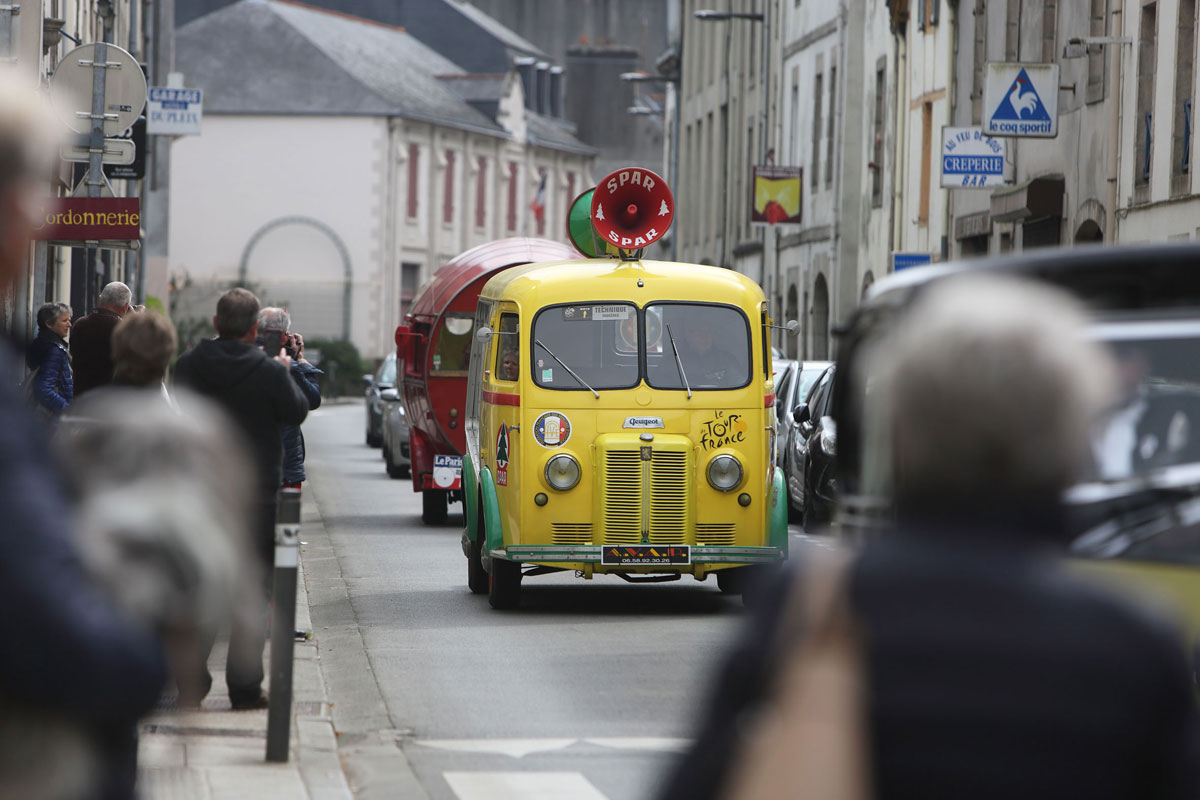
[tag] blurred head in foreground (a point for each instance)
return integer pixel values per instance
(142, 347)
(164, 511)
(991, 391)
(28, 140)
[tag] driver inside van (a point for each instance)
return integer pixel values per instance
(707, 364)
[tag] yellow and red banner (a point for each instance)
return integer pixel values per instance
(777, 195)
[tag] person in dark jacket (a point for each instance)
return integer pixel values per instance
(993, 673)
(91, 341)
(52, 386)
(305, 375)
(66, 654)
(260, 395)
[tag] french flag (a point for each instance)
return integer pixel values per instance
(538, 206)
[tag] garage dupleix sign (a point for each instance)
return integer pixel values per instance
(1020, 100)
(971, 160)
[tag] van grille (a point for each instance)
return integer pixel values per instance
(715, 534)
(644, 490)
(622, 497)
(668, 497)
(571, 532)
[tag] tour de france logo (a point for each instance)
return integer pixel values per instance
(552, 429)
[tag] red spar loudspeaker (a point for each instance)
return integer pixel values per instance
(632, 208)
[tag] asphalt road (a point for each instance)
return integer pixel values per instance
(587, 691)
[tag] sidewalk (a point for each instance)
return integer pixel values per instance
(216, 753)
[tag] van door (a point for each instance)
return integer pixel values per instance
(502, 416)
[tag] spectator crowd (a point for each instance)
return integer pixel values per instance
(139, 510)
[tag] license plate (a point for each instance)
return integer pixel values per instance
(646, 555)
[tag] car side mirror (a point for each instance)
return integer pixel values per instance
(801, 414)
(368, 379)
(389, 394)
(792, 328)
(483, 335)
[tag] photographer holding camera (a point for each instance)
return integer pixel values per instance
(254, 387)
(274, 325)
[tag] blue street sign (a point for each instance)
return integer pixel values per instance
(905, 260)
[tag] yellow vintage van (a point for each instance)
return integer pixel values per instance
(620, 421)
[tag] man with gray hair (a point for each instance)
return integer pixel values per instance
(273, 318)
(989, 670)
(91, 338)
(66, 652)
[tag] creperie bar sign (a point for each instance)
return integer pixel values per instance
(89, 219)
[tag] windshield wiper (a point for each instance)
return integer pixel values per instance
(562, 364)
(678, 361)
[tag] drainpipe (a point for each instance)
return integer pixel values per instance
(901, 171)
(1116, 91)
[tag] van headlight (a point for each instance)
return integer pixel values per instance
(724, 473)
(562, 472)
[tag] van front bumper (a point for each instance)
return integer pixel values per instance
(557, 554)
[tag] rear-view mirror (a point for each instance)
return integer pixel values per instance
(801, 414)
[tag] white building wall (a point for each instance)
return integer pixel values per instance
(244, 173)
(1163, 217)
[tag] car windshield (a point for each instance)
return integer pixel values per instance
(808, 377)
(387, 372)
(1156, 420)
(599, 343)
(1153, 426)
(452, 351)
(697, 346)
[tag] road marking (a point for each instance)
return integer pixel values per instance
(518, 748)
(661, 744)
(522, 786)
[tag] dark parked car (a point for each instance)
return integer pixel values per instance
(809, 468)
(396, 456)
(792, 385)
(383, 380)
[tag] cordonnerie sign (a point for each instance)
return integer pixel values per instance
(89, 219)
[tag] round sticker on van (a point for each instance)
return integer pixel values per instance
(552, 429)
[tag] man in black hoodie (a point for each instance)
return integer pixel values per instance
(259, 394)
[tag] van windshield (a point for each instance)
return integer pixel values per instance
(599, 342)
(713, 343)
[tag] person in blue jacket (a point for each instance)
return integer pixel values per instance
(52, 387)
(305, 376)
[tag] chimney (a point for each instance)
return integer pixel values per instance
(525, 68)
(543, 87)
(556, 90)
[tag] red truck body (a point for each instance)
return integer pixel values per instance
(432, 357)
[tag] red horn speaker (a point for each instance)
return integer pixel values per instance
(632, 208)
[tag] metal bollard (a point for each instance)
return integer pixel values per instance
(283, 623)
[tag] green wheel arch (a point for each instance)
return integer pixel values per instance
(470, 496)
(779, 523)
(494, 535)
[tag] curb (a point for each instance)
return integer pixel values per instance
(364, 737)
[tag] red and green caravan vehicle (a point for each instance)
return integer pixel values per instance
(433, 352)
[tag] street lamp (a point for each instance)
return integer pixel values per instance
(707, 14)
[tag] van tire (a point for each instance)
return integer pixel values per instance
(731, 581)
(504, 584)
(433, 506)
(477, 577)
